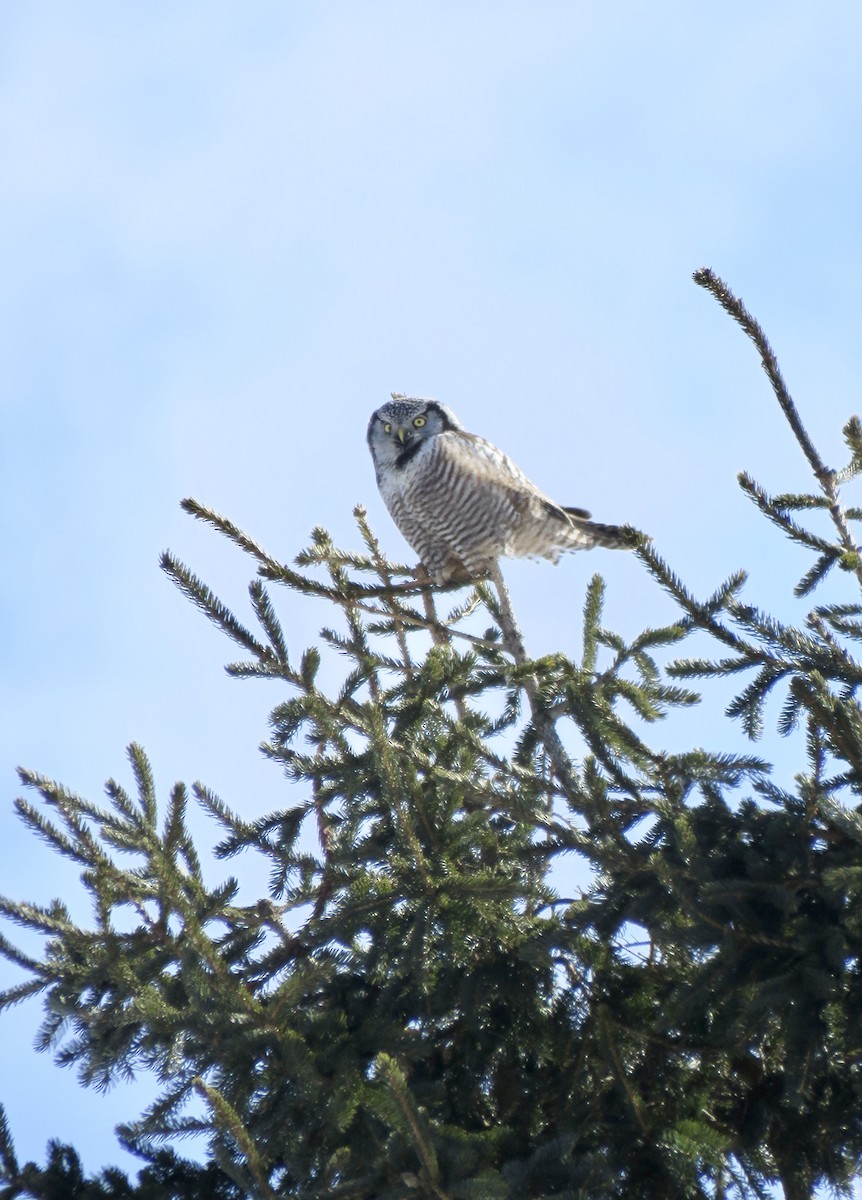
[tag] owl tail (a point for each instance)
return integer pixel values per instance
(593, 533)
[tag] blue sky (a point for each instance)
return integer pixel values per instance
(229, 232)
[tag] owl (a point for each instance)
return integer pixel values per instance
(460, 502)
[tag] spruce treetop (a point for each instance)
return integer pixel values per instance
(420, 1003)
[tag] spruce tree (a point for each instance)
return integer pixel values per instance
(421, 1005)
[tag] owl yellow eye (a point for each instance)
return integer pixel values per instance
(418, 422)
(387, 428)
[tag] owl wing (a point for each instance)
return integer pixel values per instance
(483, 461)
(482, 466)
(490, 465)
(526, 522)
(485, 488)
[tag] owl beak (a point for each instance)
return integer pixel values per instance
(402, 434)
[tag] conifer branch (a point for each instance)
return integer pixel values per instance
(771, 509)
(392, 1073)
(700, 615)
(800, 500)
(325, 839)
(20, 959)
(825, 476)
(8, 1160)
(514, 643)
(398, 616)
(616, 1063)
(706, 278)
(70, 848)
(440, 634)
(53, 920)
(853, 437)
(209, 604)
(817, 572)
(209, 515)
(269, 622)
(230, 1121)
(385, 574)
(593, 605)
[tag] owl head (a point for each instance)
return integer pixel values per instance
(398, 428)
